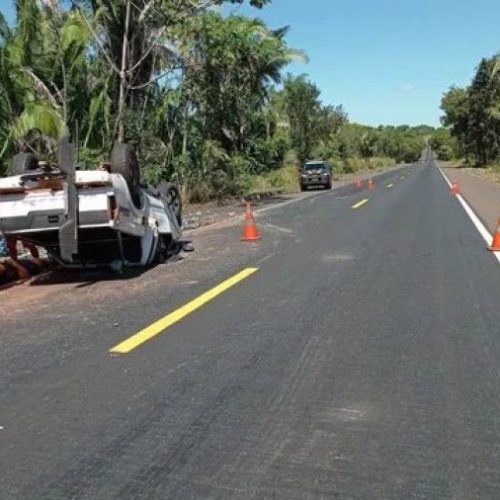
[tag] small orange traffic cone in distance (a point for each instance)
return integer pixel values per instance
(357, 183)
(370, 184)
(495, 244)
(455, 189)
(250, 231)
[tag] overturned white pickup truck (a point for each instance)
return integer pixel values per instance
(90, 217)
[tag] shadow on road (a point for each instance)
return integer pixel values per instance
(83, 278)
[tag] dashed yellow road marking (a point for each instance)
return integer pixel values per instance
(360, 203)
(389, 186)
(162, 324)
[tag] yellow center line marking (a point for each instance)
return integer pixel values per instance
(389, 186)
(162, 324)
(360, 203)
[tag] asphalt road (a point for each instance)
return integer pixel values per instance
(361, 360)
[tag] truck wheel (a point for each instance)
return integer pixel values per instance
(23, 163)
(124, 162)
(161, 250)
(171, 196)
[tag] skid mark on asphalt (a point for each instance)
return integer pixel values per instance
(337, 257)
(162, 324)
(359, 204)
(343, 414)
(266, 258)
(279, 229)
(276, 429)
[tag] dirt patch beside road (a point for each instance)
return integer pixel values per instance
(481, 192)
(488, 173)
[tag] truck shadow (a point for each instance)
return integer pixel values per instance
(83, 278)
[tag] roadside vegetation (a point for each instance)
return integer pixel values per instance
(472, 118)
(204, 98)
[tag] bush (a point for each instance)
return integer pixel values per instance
(380, 162)
(217, 176)
(444, 153)
(240, 178)
(268, 154)
(349, 166)
(353, 165)
(88, 159)
(153, 160)
(285, 178)
(205, 172)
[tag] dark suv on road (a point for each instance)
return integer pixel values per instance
(316, 173)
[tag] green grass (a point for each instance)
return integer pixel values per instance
(458, 163)
(285, 178)
(363, 164)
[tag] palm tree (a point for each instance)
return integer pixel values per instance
(42, 71)
(232, 64)
(131, 37)
(7, 99)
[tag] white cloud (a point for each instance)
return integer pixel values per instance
(409, 87)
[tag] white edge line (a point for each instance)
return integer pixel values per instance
(483, 231)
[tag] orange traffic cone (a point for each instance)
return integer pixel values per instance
(357, 183)
(370, 184)
(455, 189)
(250, 231)
(495, 244)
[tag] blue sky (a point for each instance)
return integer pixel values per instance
(386, 61)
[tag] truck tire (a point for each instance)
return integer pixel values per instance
(171, 196)
(124, 162)
(23, 163)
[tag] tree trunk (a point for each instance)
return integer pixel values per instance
(185, 130)
(121, 98)
(65, 94)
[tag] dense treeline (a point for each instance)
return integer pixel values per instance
(472, 115)
(203, 97)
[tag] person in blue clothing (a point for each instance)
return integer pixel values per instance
(4, 252)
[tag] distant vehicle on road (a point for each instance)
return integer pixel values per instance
(315, 173)
(91, 217)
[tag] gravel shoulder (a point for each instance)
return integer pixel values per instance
(480, 190)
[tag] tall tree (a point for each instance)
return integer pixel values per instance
(45, 59)
(484, 113)
(473, 114)
(454, 104)
(235, 61)
(140, 41)
(303, 107)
